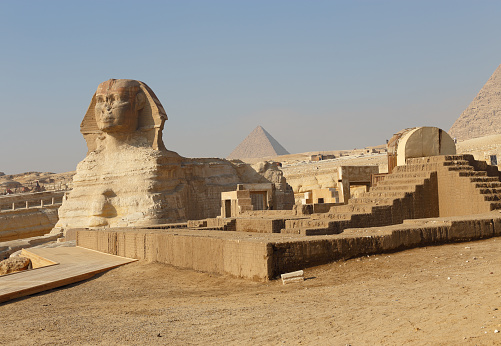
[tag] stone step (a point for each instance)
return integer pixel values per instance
(439, 159)
(495, 206)
(415, 168)
(492, 197)
(485, 191)
(307, 223)
(310, 223)
(466, 157)
(372, 200)
(396, 175)
(406, 188)
(484, 179)
(349, 208)
(385, 194)
(460, 168)
(472, 174)
(361, 208)
(401, 181)
(338, 216)
(491, 185)
(456, 163)
(308, 231)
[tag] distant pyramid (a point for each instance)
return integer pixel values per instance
(483, 115)
(258, 143)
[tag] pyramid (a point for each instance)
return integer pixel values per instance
(483, 115)
(259, 143)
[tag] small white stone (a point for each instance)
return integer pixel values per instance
(496, 331)
(448, 278)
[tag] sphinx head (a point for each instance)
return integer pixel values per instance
(126, 110)
(118, 103)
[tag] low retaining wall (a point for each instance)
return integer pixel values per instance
(25, 223)
(266, 256)
(247, 259)
(356, 242)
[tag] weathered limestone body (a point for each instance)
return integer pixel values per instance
(129, 178)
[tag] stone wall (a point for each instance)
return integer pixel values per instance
(215, 255)
(261, 258)
(260, 225)
(25, 223)
(295, 255)
(465, 186)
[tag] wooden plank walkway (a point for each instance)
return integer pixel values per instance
(73, 264)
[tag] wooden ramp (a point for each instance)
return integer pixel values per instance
(71, 264)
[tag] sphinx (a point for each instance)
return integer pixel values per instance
(129, 178)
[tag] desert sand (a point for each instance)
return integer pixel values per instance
(443, 295)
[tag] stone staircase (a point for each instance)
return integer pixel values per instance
(466, 186)
(411, 192)
(220, 224)
(390, 202)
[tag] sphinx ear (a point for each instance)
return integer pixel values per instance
(140, 101)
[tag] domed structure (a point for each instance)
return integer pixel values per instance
(418, 142)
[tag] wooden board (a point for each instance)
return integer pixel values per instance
(73, 264)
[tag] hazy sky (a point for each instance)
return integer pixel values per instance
(317, 75)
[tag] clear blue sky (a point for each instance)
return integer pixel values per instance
(317, 75)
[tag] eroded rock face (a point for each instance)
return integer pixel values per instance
(14, 264)
(129, 178)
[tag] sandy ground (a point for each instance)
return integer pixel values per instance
(487, 143)
(443, 295)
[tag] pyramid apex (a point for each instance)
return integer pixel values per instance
(483, 116)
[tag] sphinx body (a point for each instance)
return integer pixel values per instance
(129, 178)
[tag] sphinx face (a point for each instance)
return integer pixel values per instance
(117, 106)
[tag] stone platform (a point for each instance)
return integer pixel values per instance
(264, 256)
(62, 266)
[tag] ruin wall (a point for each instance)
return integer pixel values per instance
(263, 259)
(214, 255)
(25, 223)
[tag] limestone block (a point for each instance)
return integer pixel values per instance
(25, 223)
(14, 264)
(422, 142)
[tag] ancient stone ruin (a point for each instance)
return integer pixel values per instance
(129, 178)
(430, 196)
